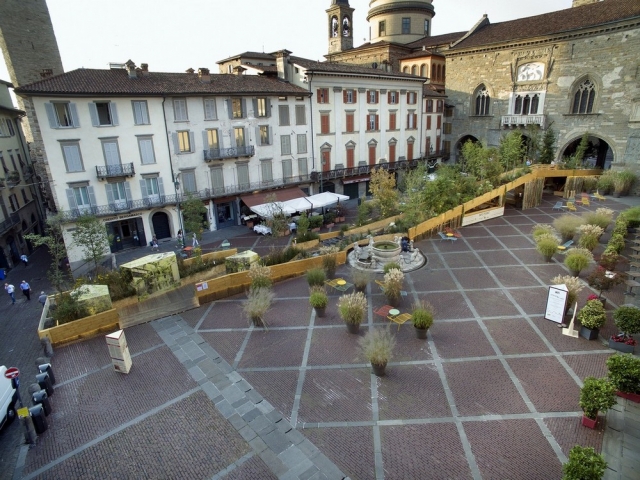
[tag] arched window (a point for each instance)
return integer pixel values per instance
(423, 70)
(414, 70)
(584, 97)
(444, 75)
(482, 101)
(405, 69)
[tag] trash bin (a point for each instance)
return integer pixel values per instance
(46, 368)
(45, 382)
(41, 398)
(39, 421)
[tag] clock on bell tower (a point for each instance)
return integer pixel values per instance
(340, 16)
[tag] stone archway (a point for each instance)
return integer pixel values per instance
(599, 153)
(161, 229)
(460, 143)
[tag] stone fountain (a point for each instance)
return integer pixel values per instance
(374, 256)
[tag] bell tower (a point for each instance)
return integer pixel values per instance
(340, 26)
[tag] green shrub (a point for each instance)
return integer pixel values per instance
(119, 283)
(589, 236)
(391, 265)
(616, 243)
(352, 307)
(318, 298)
(632, 215)
(584, 464)
(624, 372)
(260, 276)
(277, 257)
(542, 229)
(377, 345)
(567, 225)
(307, 237)
(365, 209)
(577, 260)
(316, 221)
(605, 182)
(596, 395)
(592, 315)
(627, 319)
(422, 315)
(316, 277)
(547, 245)
(67, 308)
(602, 217)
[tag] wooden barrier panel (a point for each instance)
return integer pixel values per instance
(84, 328)
(373, 226)
(212, 256)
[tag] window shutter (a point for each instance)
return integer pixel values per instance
(75, 121)
(355, 96)
(127, 191)
(143, 188)
(51, 115)
(110, 199)
(286, 169)
(217, 180)
(176, 145)
(428, 122)
(267, 104)
(269, 136)
(192, 142)
(205, 140)
(114, 113)
(255, 107)
(72, 199)
(258, 137)
(377, 122)
(319, 95)
(389, 97)
(377, 97)
(92, 196)
(160, 186)
(344, 96)
(93, 112)
(415, 120)
(229, 108)
(244, 108)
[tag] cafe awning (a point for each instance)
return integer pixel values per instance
(325, 199)
(281, 195)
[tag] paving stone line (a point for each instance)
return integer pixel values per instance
(284, 450)
(302, 369)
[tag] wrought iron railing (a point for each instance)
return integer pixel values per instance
(232, 152)
(514, 120)
(124, 170)
(13, 219)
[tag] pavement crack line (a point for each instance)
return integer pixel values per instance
(302, 371)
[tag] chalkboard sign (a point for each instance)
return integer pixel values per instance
(556, 303)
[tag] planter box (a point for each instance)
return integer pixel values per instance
(634, 397)
(587, 422)
(621, 347)
(588, 333)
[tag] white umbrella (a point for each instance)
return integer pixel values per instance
(325, 199)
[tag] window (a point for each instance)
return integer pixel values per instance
(409, 149)
(150, 187)
(584, 98)
(103, 114)
(302, 143)
(372, 96)
(238, 134)
(62, 114)
(264, 135)
(424, 70)
(13, 160)
(526, 104)
(285, 145)
(287, 171)
(412, 98)
(236, 108)
(140, 112)
(429, 105)
(406, 25)
(13, 203)
(323, 95)
(392, 121)
(350, 123)
(392, 98)
(382, 28)
(217, 180)
(372, 122)
(392, 151)
(261, 107)
(243, 175)
(372, 153)
(414, 70)
(283, 114)
(350, 155)
(412, 120)
(210, 112)
(440, 106)
(301, 115)
(72, 157)
(4, 165)
(349, 96)
(426, 27)
(482, 101)
(81, 197)
(24, 196)
(147, 155)
(184, 141)
(266, 170)
(10, 128)
(303, 170)
(428, 122)
(324, 123)
(118, 193)
(211, 139)
(180, 113)
(188, 181)
(446, 129)
(110, 151)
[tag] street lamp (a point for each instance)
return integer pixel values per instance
(176, 184)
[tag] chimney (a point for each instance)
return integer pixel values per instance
(131, 69)
(144, 68)
(190, 70)
(239, 70)
(204, 75)
(46, 72)
(282, 62)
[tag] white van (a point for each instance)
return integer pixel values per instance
(8, 398)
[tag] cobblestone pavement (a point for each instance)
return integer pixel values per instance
(492, 393)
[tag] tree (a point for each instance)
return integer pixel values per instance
(383, 189)
(276, 217)
(415, 209)
(548, 151)
(481, 162)
(533, 142)
(582, 148)
(91, 236)
(511, 150)
(194, 214)
(54, 241)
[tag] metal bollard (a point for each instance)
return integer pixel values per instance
(46, 368)
(39, 422)
(33, 388)
(41, 398)
(46, 346)
(45, 383)
(30, 435)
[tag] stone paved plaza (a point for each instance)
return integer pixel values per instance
(493, 393)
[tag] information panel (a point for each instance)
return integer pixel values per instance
(556, 303)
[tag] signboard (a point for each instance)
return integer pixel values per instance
(556, 303)
(23, 412)
(202, 286)
(487, 214)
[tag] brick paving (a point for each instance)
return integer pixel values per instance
(493, 392)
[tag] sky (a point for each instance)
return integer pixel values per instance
(174, 35)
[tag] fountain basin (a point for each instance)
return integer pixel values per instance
(385, 250)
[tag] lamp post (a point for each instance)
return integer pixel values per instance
(176, 184)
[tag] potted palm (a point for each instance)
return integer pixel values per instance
(361, 279)
(258, 302)
(393, 286)
(352, 308)
(627, 319)
(592, 317)
(596, 395)
(377, 347)
(624, 373)
(422, 318)
(577, 260)
(319, 300)
(584, 464)
(547, 245)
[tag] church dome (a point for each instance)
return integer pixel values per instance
(400, 21)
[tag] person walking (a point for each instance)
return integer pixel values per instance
(195, 242)
(26, 289)
(42, 298)
(11, 291)
(25, 260)
(180, 239)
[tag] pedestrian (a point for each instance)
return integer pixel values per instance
(42, 298)
(154, 244)
(26, 289)
(10, 290)
(195, 242)
(180, 244)
(25, 260)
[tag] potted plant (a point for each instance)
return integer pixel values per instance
(624, 374)
(341, 212)
(592, 317)
(329, 260)
(542, 229)
(318, 300)
(547, 245)
(602, 217)
(13, 177)
(596, 395)
(589, 236)
(574, 286)
(390, 266)
(316, 277)
(567, 226)
(590, 184)
(584, 464)
(605, 182)
(609, 259)
(623, 182)
(260, 276)
(627, 319)
(422, 318)
(315, 222)
(577, 260)
(352, 308)
(361, 279)
(393, 286)
(616, 243)
(258, 302)
(377, 347)
(603, 280)
(329, 219)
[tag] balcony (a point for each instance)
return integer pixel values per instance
(345, 173)
(232, 152)
(13, 219)
(13, 179)
(109, 171)
(514, 121)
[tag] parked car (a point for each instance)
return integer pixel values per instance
(8, 399)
